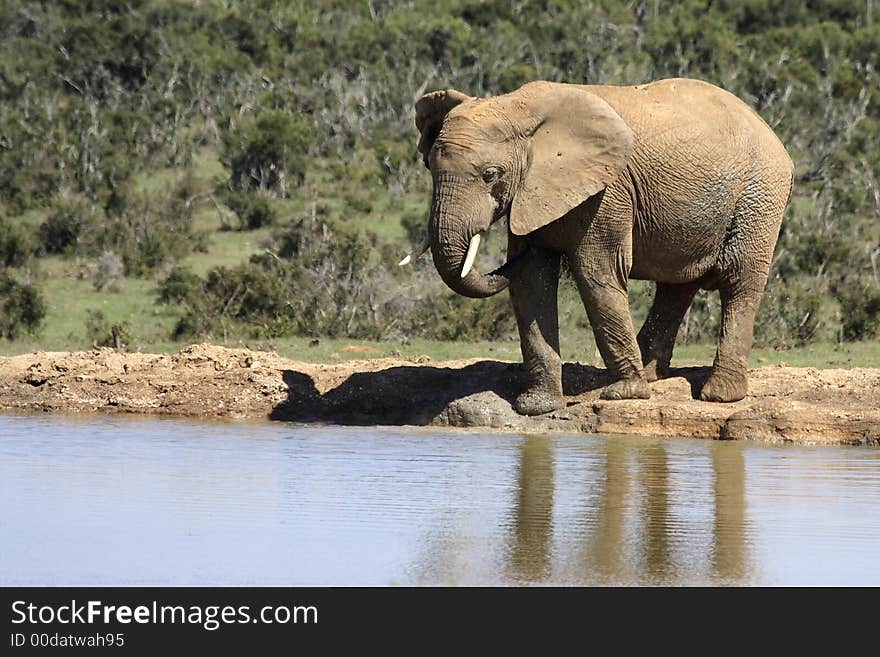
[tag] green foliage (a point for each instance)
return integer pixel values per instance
(179, 286)
(321, 278)
(859, 300)
(62, 231)
(253, 209)
(16, 244)
(144, 230)
(101, 333)
(311, 105)
(266, 151)
(453, 317)
(793, 313)
(22, 308)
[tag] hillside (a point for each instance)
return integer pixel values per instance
(176, 171)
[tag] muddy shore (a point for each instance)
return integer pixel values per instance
(786, 404)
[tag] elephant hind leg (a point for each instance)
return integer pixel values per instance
(657, 336)
(743, 266)
(728, 381)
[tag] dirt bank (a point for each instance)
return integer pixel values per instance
(803, 405)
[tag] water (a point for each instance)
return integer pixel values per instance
(121, 501)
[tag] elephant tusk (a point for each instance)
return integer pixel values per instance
(471, 255)
(416, 252)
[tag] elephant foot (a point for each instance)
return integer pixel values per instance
(725, 386)
(636, 388)
(655, 370)
(538, 402)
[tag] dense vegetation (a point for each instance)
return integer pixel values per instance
(110, 110)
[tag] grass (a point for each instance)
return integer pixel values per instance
(856, 354)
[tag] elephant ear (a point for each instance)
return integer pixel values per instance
(579, 146)
(431, 109)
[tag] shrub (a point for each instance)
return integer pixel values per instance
(860, 309)
(181, 285)
(67, 226)
(108, 270)
(793, 313)
(16, 244)
(266, 151)
(144, 230)
(253, 209)
(101, 333)
(22, 308)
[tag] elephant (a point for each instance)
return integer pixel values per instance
(676, 181)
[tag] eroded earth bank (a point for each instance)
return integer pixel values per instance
(804, 405)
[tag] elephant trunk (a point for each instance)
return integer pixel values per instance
(451, 233)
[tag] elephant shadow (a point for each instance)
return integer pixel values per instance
(416, 395)
(412, 395)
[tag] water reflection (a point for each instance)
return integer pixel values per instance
(729, 557)
(631, 532)
(95, 501)
(606, 557)
(530, 556)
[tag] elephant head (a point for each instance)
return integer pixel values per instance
(533, 154)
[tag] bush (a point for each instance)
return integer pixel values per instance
(149, 230)
(68, 226)
(22, 308)
(101, 333)
(144, 230)
(108, 270)
(793, 313)
(179, 286)
(860, 309)
(266, 151)
(16, 244)
(253, 209)
(318, 279)
(448, 316)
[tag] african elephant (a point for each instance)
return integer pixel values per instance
(676, 181)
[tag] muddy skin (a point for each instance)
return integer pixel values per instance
(636, 388)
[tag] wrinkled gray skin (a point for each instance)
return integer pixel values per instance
(676, 182)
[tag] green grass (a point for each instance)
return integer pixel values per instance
(226, 248)
(856, 354)
(70, 295)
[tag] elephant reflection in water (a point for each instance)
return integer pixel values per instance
(729, 557)
(604, 558)
(530, 553)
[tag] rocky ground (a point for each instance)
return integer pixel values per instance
(803, 405)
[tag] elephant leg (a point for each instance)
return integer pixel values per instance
(657, 336)
(728, 381)
(744, 268)
(607, 304)
(533, 295)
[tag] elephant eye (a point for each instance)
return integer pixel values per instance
(491, 174)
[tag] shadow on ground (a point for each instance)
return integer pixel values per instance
(418, 395)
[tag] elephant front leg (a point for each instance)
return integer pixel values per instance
(533, 295)
(604, 293)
